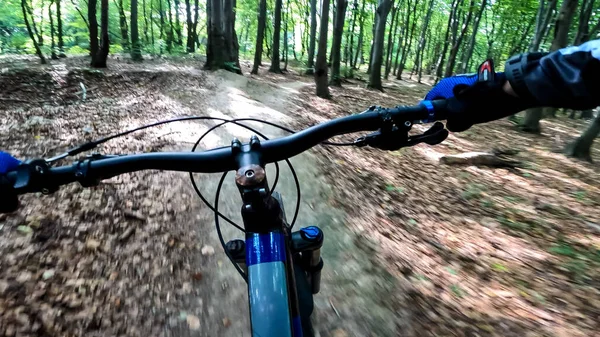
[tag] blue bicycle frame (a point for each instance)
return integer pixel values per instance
(268, 261)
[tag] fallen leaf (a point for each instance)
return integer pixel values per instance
(24, 229)
(48, 274)
(193, 322)
(208, 250)
(92, 244)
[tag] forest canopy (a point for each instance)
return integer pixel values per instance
(436, 36)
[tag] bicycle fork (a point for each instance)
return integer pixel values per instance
(305, 244)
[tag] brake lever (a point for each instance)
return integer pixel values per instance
(435, 135)
(395, 138)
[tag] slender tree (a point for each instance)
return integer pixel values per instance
(409, 34)
(468, 54)
(321, 63)
(338, 31)
(276, 58)
(123, 25)
(361, 33)
(383, 10)
(422, 41)
(171, 30)
(232, 61)
(260, 33)
(457, 38)
(581, 147)
(349, 53)
(136, 48)
(190, 42)
(52, 42)
(59, 29)
(390, 42)
(100, 60)
(195, 28)
(313, 36)
(146, 39)
(583, 30)
(446, 41)
(92, 4)
(179, 40)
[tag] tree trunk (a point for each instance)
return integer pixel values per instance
(39, 33)
(542, 24)
(350, 36)
(136, 49)
(421, 46)
(581, 147)
(87, 24)
(531, 123)
(383, 9)
(52, 42)
(409, 34)
(152, 25)
(471, 45)
(313, 36)
(390, 42)
(285, 18)
(338, 31)
(146, 39)
(563, 24)
(59, 30)
(100, 59)
(171, 31)
(403, 18)
(93, 29)
(260, 33)
(195, 24)
(222, 47)
(232, 47)
(583, 30)
(321, 62)
(373, 35)
(190, 42)
(179, 41)
(361, 33)
(446, 42)
(161, 15)
(458, 41)
(276, 58)
(123, 25)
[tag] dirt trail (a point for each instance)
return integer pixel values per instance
(349, 283)
(147, 257)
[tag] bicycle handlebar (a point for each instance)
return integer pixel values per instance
(37, 176)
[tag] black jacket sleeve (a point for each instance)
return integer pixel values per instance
(566, 78)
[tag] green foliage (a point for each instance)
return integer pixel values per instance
(498, 267)
(473, 191)
(77, 50)
(457, 291)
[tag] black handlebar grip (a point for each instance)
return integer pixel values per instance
(440, 109)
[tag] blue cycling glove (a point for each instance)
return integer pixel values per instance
(476, 98)
(446, 87)
(7, 162)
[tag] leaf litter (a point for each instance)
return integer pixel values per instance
(470, 250)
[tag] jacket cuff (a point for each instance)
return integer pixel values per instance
(516, 70)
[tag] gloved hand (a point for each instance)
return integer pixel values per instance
(9, 202)
(477, 98)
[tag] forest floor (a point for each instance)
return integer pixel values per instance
(413, 247)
